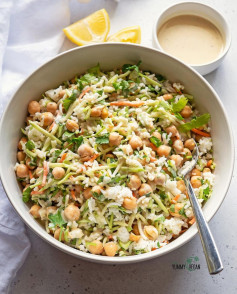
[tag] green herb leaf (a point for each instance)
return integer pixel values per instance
(94, 70)
(158, 244)
(172, 208)
(69, 100)
(101, 179)
(177, 107)
(56, 155)
(26, 194)
(98, 196)
(163, 196)
(157, 142)
(103, 139)
(57, 219)
(30, 145)
(77, 141)
(195, 123)
(127, 67)
(181, 212)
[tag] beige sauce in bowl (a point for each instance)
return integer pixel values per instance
(190, 38)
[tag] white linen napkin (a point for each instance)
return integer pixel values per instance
(30, 34)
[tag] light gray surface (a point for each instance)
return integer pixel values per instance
(48, 270)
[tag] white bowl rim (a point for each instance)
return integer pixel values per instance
(227, 35)
(125, 259)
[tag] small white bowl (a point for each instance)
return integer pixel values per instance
(204, 11)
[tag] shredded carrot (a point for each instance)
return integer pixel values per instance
(45, 167)
(192, 221)
(152, 159)
(127, 103)
(152, 249)
(201, 133)
(209, 163)
(93, 157)
(84, 92)
(63, 157)
(37, 192)
(51, 126)
(183, 231)
(175, 199)
(30, 174)
(73, 195)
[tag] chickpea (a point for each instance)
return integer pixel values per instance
(28, 161)
(187, 154)
(104, 113)
(196, 172)
(22, 141)
(181, 186)
(22, 171)
(196, 181)
(157, 135)
(135, 229)
(163, 150)
(130, 203)
(134, 182)
(96, 247)
(134, 238)
(167, 97)
(96, 189)
(145, 189)
(177, 159)
(21, 156)
(57, 234)
(178, 146)
(58, 173)
(151, 232)
(71, 125)
(135, 142)
(109, 155)
(61, 94)
(47, 119)
(114, 139)
(34, 211)
(110, 248)
(186, 112)
(52, 107)
(51, 210)
(173, 130)
(87, 193)
(159, 180)
(38, 172)
(33, 107)
(190, 144)
(78, 188)
(85, 152)
(72, 212)
(96, 112)
(206, 170)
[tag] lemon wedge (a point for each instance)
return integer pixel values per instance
(129, 34)
(92, 29)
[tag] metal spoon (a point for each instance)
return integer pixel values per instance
(212, 255)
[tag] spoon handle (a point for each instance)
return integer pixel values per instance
(212, 255)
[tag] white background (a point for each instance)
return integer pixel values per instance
(48, 270)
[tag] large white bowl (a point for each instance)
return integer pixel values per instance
(111, 55)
